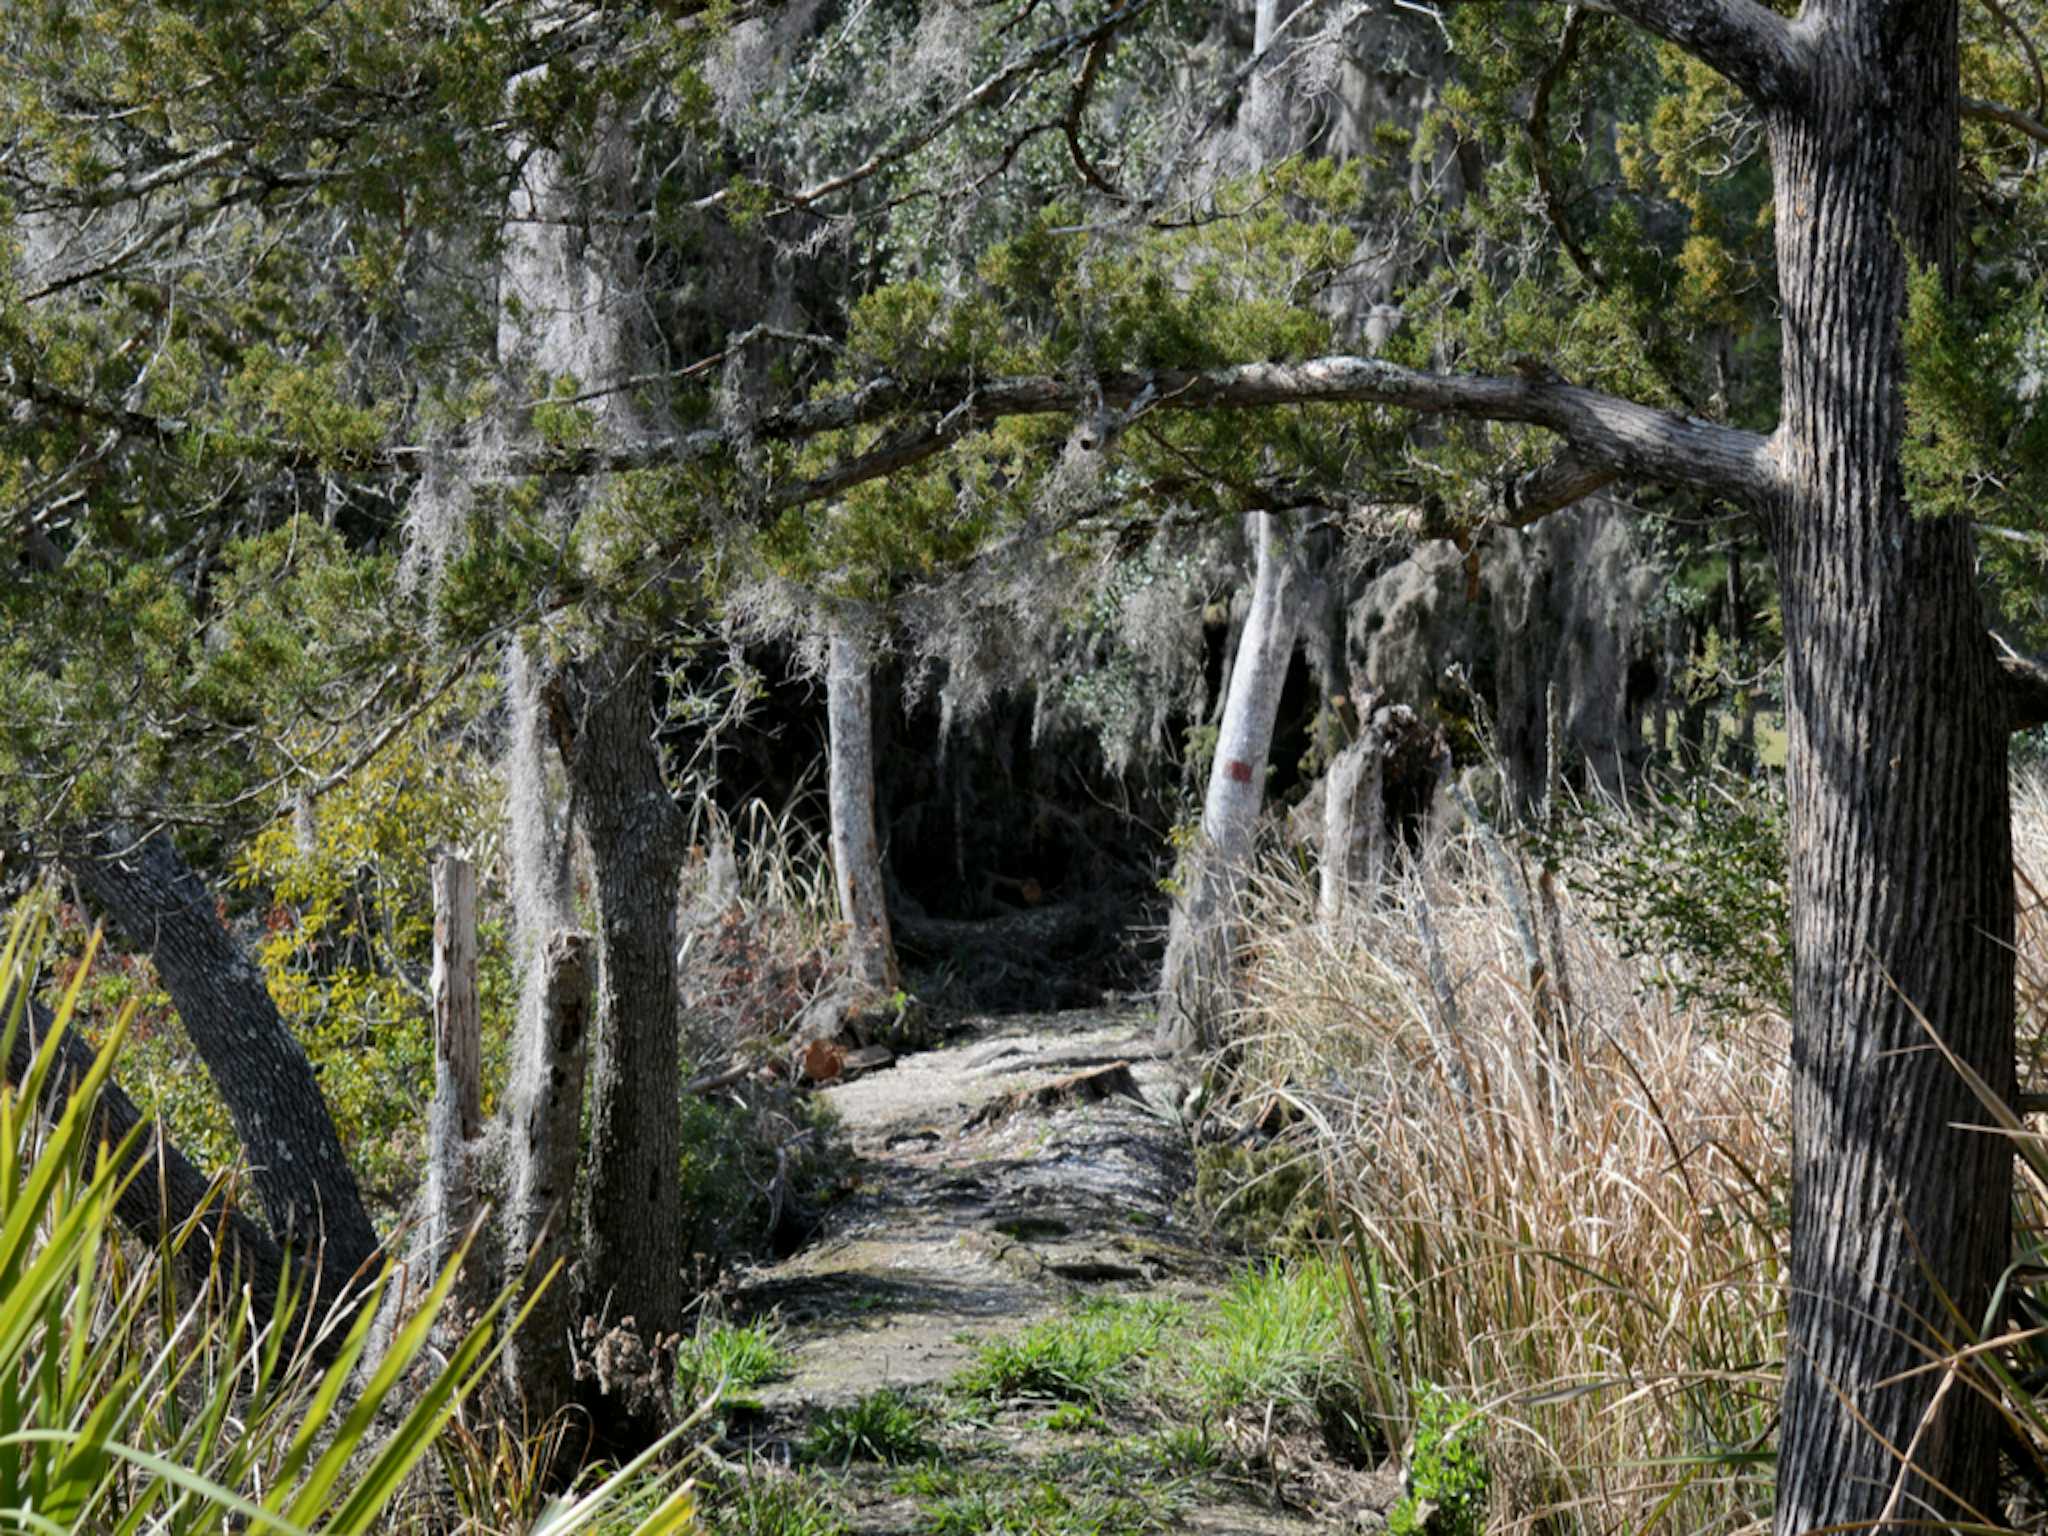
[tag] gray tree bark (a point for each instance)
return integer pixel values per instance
(296, 1162)
(856, 849)
(633, 1226)
(455, 1120)
(544, 1120)
(1195, 992)
(1354, 824)
(1902, 890)
(168, 1193)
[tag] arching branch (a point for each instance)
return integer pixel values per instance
(1751, 44)
(1620, 437)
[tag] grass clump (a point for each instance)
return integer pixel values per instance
(727, 1358)
(1091, 1355)
(884, 1426)
(764, 1505)
(1572, 1209)
(993, 1503)
(1277, 1336)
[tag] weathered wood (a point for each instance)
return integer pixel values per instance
(455, 1120)
(856, 847)
(1195, 992)
(544, 1119)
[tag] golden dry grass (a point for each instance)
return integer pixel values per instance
(1577, 1223)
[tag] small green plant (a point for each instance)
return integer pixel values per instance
(1277, 1336)
(1447, 1476)
(1186, 1449)
(1072, 1419)
(728, 1358)
(775, 1506)
(1044, 1507)
(883, 1426)
(1088, 1356)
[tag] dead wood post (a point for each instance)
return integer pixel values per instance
(455, 1123)
(543, 1111)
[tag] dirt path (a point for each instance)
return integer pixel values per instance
(1015, 1175)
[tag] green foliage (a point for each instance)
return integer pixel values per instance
(728, 1358)
(1692, 878)
(883, 1426)
(133, 1406)
(1042, 1507)
(1263, 1198)
(1277, 1336)
(1090, 1355)
(763, 1505)
(1447, 1477)
(349, 924)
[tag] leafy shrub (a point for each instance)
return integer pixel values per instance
(1692, 878)
(1447, 1477)
(348, 925)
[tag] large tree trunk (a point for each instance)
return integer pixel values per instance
(296, 1162)
(856, 850)
(633, 1224)
(1202, 936)
(1901, 870)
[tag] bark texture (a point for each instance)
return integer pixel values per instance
(455, 1120)
(633, 1226)
(1902, 894)
(1202, 936)
(544, 1115)
(856, 849)
(296, 1162)
(168, 1193)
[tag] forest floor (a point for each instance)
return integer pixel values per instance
(1014, 1319)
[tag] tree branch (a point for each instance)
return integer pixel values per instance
(1618, 437)
(2012, 117)
(1751, 44)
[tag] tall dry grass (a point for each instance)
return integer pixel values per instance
(1574, 1219)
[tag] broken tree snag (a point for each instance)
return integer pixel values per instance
(544, 1115)
(455, 1123)
(856, 847)
(1090, 1087)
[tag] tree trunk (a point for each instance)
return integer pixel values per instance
(1902, 896)
(1354, 815)
(168, 1193)
(455, 1120)
(544, 1117)
(300, 1173)
(633, 1222)
(856, 851)
(1202, 936)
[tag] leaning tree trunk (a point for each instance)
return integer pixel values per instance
(633, 1222)
(1202, 937)
(162, 1192)
(296, 1162)
(1901, 864)
(856, 850)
